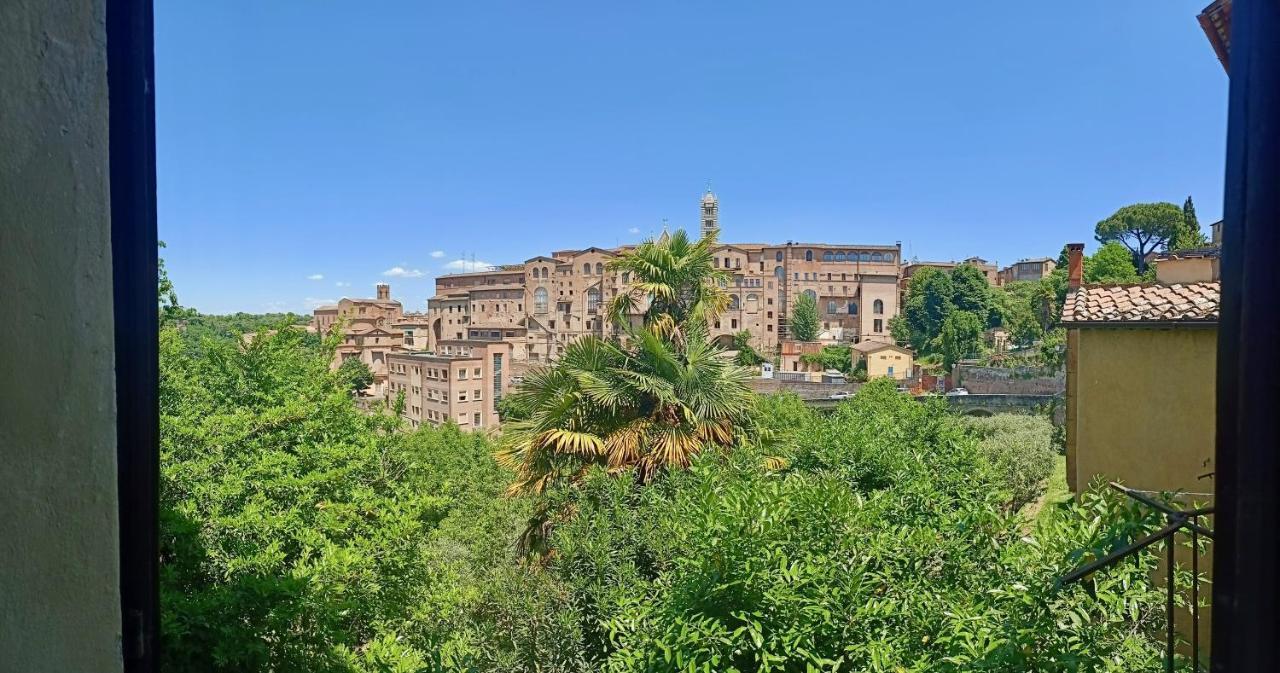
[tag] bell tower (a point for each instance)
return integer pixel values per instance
(710, 213)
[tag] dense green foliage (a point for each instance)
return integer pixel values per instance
(945, 313)
(1190, 234)
(747, 356)
(1110, 263)
(839, 358)
(1020, 450)
(804, 318)
(301, 535)
(355, 374)
(886, 544)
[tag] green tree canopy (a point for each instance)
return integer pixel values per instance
(929, 302)
(1111, 263)
(1142, 228)
(1190, 234)
(355, 374)
(961, 338)
(746, 353)
(971, 291)
(804, 318)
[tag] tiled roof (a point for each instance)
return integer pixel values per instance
(873, 346)
(1142, 303)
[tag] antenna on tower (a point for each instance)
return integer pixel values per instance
(664, 225)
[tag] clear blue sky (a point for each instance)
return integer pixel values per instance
(347, 139)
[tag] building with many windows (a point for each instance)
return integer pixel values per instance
(1027, 269)
(370, 332)
(542, 305)
(462, 381)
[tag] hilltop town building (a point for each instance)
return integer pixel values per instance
(462, 381)
(1027, 269)
(543, 304)
(369, 332)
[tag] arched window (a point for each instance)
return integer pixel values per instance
(877, 257)
(734, 303)
(853, 308)
(831, 306)
(593, 299)
(535, 272)
(544, 272)
(828, 257)
(586, 269)
(626, 277)
(540, 300)
(888, 256)
(599, 269)
(808, 255)
(878, 307)
(811, 294)
(840, 257)
(865, 256)
(777, 271)
(778, 256)
(753, 302)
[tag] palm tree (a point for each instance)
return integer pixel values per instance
(677, 280)
(650, 403)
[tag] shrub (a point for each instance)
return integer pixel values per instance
(1020, 448)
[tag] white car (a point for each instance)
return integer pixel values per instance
(842, 395)
(957, 391)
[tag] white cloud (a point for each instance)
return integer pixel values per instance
(468, 265)
(401, 272)
(633, 230)
(342, 283)
(313, 303)
(437, 254)
(316, 276)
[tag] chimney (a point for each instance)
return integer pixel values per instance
(384, 292)
(1075, 265)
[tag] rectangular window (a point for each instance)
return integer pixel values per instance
(733, 324)
(497, 379)
(879, 325)
(769, 328)
(462, 396)
(475, 419)
(475, 394)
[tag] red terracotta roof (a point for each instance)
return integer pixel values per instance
(1102, 305)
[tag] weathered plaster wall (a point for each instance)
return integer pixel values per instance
(1144, 408)
(59, 575)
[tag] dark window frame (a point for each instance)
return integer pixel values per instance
(1246, 581)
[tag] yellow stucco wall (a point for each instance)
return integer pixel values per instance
(879, 363)
(1144, 407)
(1141, 410)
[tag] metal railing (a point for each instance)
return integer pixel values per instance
(1176, 520)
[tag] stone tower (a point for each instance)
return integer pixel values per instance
(710, 214)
